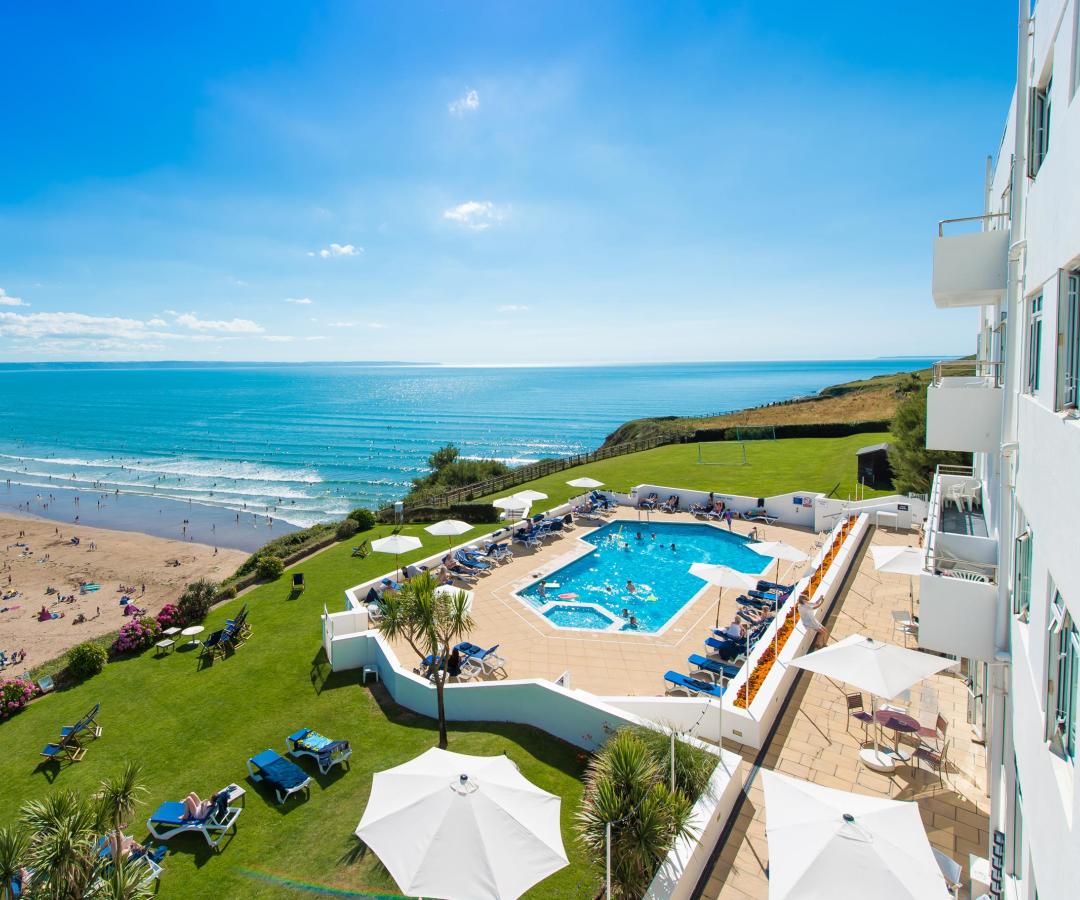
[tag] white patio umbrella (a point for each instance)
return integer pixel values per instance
(826, 843)
(881, 669)
(450, 528)
(586, 483)
(511, 502)
(723, 577)
(454, 591)
(462, 827)
(908, 561)
(531, 495)
(396, 544)
(778, 550)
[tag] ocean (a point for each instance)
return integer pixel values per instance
(307, 443)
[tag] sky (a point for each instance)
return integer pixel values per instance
(490, 183)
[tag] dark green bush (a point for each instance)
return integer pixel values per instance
(86, 660)
(346, 529)
(364, 519)
(226, 592)
(269, 568)
(195, 602)
(287, 545)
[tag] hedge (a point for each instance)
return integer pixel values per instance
(796, 430)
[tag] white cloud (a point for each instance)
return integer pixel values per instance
(475, 214)
(512, 308)
(299, 301)
(66, 325)
(357, 325)
(278, 338)
(316, 337)
(337, 250)
(157, 323)
(7, 300)
(466, 103)
(239, 326)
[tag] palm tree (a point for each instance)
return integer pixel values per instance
(626, 786)
(430, 623)
(120, 794)
(13, 845)
(62, 852)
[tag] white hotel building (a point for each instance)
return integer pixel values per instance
(1001, 586)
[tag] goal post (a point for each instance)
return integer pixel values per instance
(722, 453)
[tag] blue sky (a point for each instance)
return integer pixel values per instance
(487, 183)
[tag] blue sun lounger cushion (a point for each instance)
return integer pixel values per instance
(285, 777)
(326, 752)
(693, 685)
(168, 820)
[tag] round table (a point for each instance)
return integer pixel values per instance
(190, 632)
(887, 759)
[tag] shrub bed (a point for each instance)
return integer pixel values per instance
(85, 660)
(136, 635)
(169, 617)
(15, 693)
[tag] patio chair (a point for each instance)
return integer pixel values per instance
(67, 749)
(856, 710)
(325, 752)
(86, 727)
(936, 761)
(488, 659)
(650, 501)
(170, 819)
(951, 871)
(728, 651)
(298, 582)
(212, 647)
(148, 859)
(711, 667)
(285, 777)
(692, 685)
(936, 733)
(362, 551)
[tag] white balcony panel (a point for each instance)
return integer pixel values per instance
(963, 414)
(970, 269)
(957, 616)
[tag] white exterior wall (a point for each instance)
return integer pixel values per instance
(1036, 469)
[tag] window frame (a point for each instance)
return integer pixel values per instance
(1039, 111)
(1063, 663)
(1069, 331)
(1022, 558)
(1033, 344)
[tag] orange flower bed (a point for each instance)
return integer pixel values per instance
(765, 662)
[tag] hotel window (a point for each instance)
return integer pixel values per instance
(1034, 343)
(1022, 575)
(1070, 341)
(1064, 674)
(1039, 139)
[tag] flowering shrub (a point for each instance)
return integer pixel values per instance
(86, 660)
(169, 616)
(136, 635)
(15, 693)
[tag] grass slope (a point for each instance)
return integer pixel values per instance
(773, 467)
(194, 728)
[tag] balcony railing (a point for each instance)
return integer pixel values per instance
(952, 551)
(991, 371)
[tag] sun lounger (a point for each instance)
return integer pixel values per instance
(150, 860)
(325, 752)
(170, 820)
(67, 749)
(86, 727)
(650, 501)
(212, 647)
(773, 586)
(362, 551)
(692, 685)
(285, 777)
(487, 659)
(726, 650)
(712, 667)
(298, 582)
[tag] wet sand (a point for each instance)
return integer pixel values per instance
(105, 557)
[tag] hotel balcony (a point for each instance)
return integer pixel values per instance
(958, 587)
(970, 269)
(963, 406)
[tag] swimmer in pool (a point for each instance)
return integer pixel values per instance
(630, 586)
(633, 621)
(639, 537)
(541, 588)
(625, 613)
(673, 549)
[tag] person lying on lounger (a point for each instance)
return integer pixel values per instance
(122, 847)
(736, 630)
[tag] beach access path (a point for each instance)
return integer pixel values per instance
(36, 554)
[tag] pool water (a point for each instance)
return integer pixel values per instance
(574, 615)
(661, 577)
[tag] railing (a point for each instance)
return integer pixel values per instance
(983, 218)
(937, 559)
(991, 370)
(530, 472)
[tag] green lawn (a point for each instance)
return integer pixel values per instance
(772, 467)
(193, 730)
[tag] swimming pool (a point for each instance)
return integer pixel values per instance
(662, 582)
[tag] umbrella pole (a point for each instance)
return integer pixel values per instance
(775, 605)
(719, 596)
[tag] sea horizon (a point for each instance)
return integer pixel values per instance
(195, 446)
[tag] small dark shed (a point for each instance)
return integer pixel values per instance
(874, 469)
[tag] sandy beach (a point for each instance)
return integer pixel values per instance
(36, 555)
